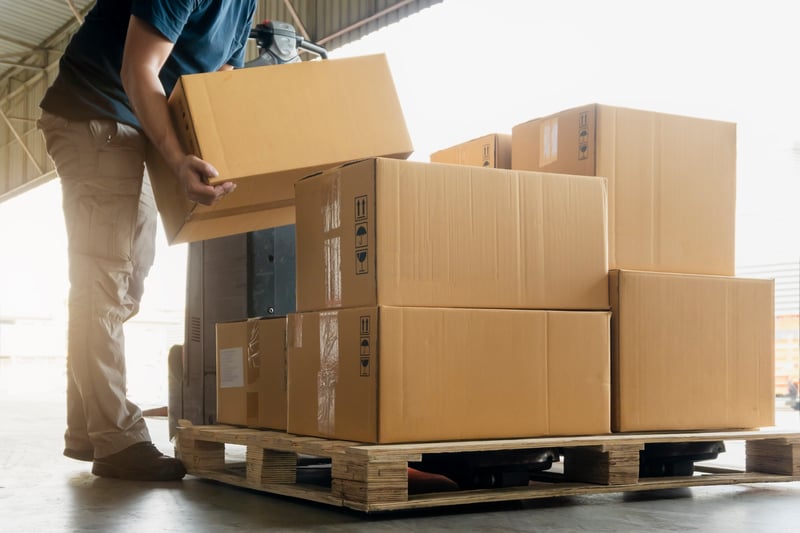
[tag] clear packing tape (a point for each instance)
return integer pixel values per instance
(328, 372)
(253, 350)
(332, 222)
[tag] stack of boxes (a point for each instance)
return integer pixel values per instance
(471, 297)
(441, 302)
(692, 346)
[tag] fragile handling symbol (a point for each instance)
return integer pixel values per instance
(361, 262)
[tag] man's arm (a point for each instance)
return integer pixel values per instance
(146, 51)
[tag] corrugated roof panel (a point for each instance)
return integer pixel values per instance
(28, 24)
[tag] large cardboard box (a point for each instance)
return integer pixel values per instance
(691, 352)
(493, 151)
(265, 127)
(671, 181)
(402, 374)
(390, 232)
(251, 373)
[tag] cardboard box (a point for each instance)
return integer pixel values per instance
(691, 352)
(493, 151)
(402, 374)
(671, 181)
(265, 127)
(251, 373)
(389, 232)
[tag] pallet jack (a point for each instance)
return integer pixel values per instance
(278, 43)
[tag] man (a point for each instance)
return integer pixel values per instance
(105, 111)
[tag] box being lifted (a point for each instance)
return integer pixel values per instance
(265, 127)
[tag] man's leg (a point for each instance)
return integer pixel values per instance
(110, 218)
(101, 165)
(143, 247)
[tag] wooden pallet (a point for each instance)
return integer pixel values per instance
(375, 477)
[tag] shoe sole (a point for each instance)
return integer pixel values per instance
(106, 470)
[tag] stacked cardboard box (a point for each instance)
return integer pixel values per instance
(251, 373)
(692, 346)
(442, 302)
(671, 181)
(691, 352)
(493, 151)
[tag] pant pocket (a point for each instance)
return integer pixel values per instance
(104, 225)
(121, 149)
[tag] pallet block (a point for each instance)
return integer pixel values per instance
(369, 477)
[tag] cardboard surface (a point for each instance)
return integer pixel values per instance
(266, 127)
(671, 181)
(251, 373)
(392, 374)
(390, 232)
(493, 151)
(691, 352)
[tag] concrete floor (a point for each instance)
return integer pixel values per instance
(41, 490)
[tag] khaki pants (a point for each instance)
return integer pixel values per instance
(110, 217)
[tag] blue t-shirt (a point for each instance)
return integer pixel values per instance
(207, 35)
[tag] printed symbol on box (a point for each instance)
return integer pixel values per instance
(364, 349)
(361, 208)
(583, 144)
(583, 119)
(583, 135)
(361, 261)
(486, 162)
(361, 235)
(365, 325)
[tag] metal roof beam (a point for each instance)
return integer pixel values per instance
(12, 55)
(77, 14)
(18, 42)
(20, 65)
(296, 18)
(21, 141)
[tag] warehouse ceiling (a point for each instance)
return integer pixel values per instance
(33, 33)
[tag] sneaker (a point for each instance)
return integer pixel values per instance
(142, 462)
(79, 455)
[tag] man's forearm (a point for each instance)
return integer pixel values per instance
(149, 102)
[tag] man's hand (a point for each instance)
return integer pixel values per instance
(193, 173)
